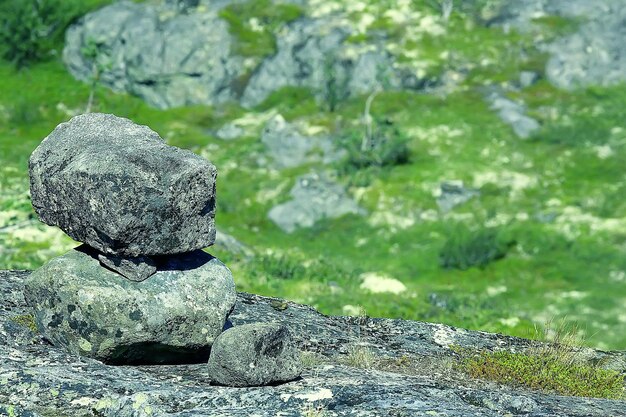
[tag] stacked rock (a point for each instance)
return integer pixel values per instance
(140, 289)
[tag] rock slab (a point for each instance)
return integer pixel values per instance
(254, 355)
(170, 55)
(174, 316)
(42, 380)
(118, 187)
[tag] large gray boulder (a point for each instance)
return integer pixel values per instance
(174, 54)
(313, 54)
(167, 58)
(254, 355)
(593, 54)
(118, 187)
(174, 316)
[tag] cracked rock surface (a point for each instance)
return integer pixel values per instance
(37, 379)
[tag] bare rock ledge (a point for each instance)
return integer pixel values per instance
(37, 379)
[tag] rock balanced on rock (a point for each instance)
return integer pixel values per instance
(139, 290)
(119, 188)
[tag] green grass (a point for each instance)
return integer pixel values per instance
(555, 364)
(559, 205)
(546, 372)
(257, 39)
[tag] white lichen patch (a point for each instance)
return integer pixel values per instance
(510, 322)
(318, 395)
(516, 181)
(84, 401)
(497, 290)
(443, 336)
(571, 218)
(604, 151)
(350, 310)
(383, 218)
(377, 283)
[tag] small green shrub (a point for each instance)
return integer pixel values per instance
(465, 248)
(30, 29)
(335, 88)
(361, 357)
(23, 112)
(555, 365)
(293, 267)
(548, 371)
(388, 147)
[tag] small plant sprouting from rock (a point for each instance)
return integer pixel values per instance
(313, 411)
(334, 88)
(360, 356)
(100, 63)
(556, 366)
(311, 359)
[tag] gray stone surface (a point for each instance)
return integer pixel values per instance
(290, 148)
(309, 53)
(43, 380)
(174, 54)
(514, 114)
(230, 244)
(118, 187)
(136, 268)
(169, 59)
(454, 193)
(254, 355)
(314, 197)
(173, 316)
(594, 54)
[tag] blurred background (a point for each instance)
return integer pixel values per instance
(461, 162)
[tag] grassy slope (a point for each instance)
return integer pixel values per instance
(572, 267)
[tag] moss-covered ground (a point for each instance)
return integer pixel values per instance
(555, 202)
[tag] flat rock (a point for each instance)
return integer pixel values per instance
(173, 316)
(514, 114)
(315, 197)
(118, 187)
(44, 380)
(135, 268)
(290, 148)
(454, 193)
(254, 355)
